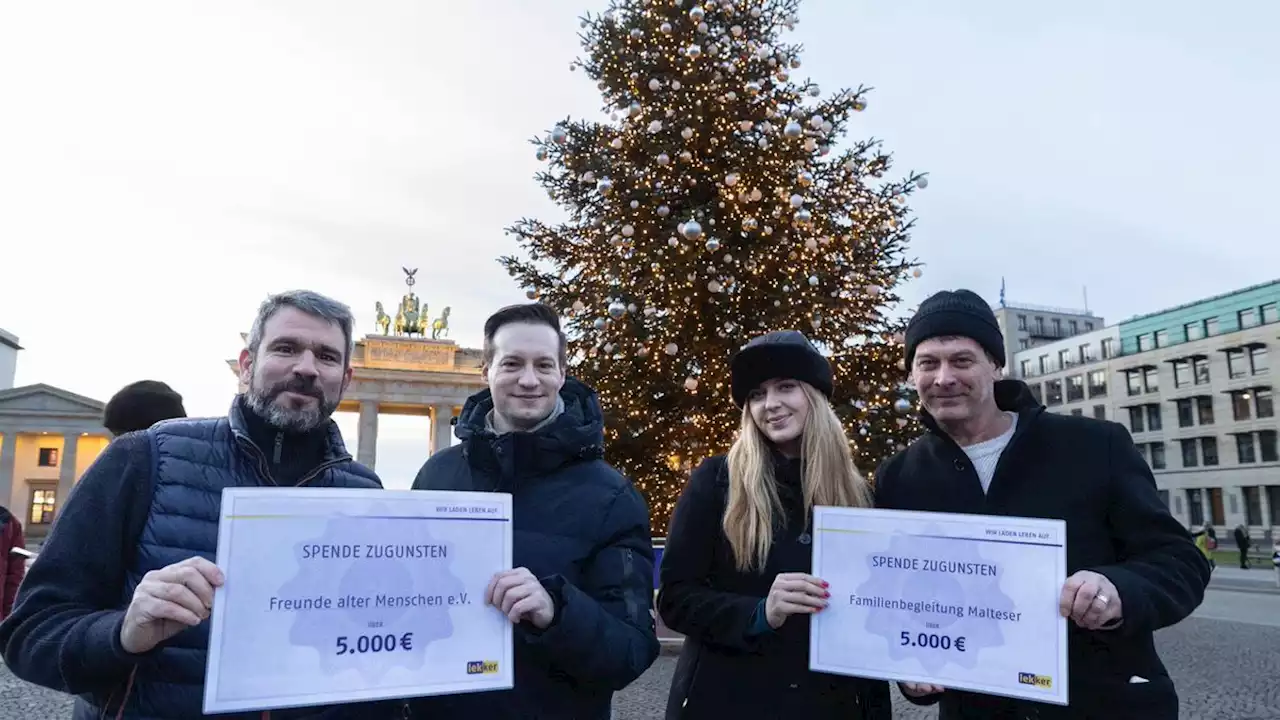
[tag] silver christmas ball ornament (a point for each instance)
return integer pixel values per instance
(617, 309)
(691, 230)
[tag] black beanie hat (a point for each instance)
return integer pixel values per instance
(780, 354)
(962, 313)
(139, 405)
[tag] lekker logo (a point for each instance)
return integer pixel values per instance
(1043, 681)
(482, 667)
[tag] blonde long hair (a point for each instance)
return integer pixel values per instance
(828, 477)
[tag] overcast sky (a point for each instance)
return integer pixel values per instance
(164, 165)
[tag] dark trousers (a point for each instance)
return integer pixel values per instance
(1244, 557)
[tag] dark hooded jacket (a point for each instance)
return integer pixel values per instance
(1088, 473)
(580, 527)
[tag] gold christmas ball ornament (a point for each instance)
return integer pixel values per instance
(531, 294)
(805, 178)
(859, 105)
(605, 186)
(617, 309)
(750, 224)
(916, 273)
(803, 217)
(693, 51)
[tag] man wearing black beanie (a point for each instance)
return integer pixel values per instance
(139, 405)
(992, 449)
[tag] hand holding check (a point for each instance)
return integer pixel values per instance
(1091, 600)
(520, 596)
(168, 601)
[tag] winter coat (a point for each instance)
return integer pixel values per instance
(733, 665)
(581, 528)
(1089, 473)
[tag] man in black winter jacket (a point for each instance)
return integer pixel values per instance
(992, 449)
(581, 592)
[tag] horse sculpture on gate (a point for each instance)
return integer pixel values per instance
(440, 326)
(411, 318)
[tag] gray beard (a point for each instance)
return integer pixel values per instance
(297, 421)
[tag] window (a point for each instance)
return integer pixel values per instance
(1044, 364)
(1236, 364)
(1098, 383)
(1209, 451)
(1100, 412)
(1077, 412)
(1273, 501)
(1026, 368)
(1195, 506)
(1240, 408)
(1258, 360)
(1252, 505)
(1194, 330)
(1144, 342)
(1190, 456)
(1108, 348)
(1134, 381)
(48, 457)
(1200, 367)
(1035, 393)
(44, 502)
(1022, 322)
(1269, 314)
(1211, 327)
(1075, 388)
(1204, 408)
(1135, 419)
(1157, 456)
(1151, 379)
(1153, 418)
(1186, 416)
(1263, 404)
(1085, 354)
(1181, 373)
(1248, 318)
(1039, 326)
(1161, 339)
(1244, 449)
(1075, 328)
(1088, 326)
(1064, 358)
(1023, 343)
(1053, 392)
(1267, 446)
(1057, 327)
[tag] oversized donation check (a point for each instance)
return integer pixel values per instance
(968, 602)
(335, 596)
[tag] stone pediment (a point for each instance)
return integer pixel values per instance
(46, 400)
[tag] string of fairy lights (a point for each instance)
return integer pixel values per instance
(713, 207)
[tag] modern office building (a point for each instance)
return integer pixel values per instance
(1194, 386)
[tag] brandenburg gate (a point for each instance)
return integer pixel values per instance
(402, 371)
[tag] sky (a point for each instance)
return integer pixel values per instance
(165, 165)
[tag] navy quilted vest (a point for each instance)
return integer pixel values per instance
(194, 459)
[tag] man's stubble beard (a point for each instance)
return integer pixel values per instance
(262, 402)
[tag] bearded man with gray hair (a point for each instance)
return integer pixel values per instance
(115, 608)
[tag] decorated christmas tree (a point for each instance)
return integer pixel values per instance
(716, 203)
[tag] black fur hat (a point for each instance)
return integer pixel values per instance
(780, 354)
(139, 405)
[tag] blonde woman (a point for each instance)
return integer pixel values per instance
(735, 572)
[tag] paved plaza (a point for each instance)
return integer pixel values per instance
(1225, 661)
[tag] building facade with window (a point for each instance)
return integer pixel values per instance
(1194, 384)
(1028, 326)
(48, 438)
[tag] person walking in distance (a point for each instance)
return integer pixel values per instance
(735, 577)
(1243, 542)
(991, 448)
(581, 591)
(116, 606)
(12, 565)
